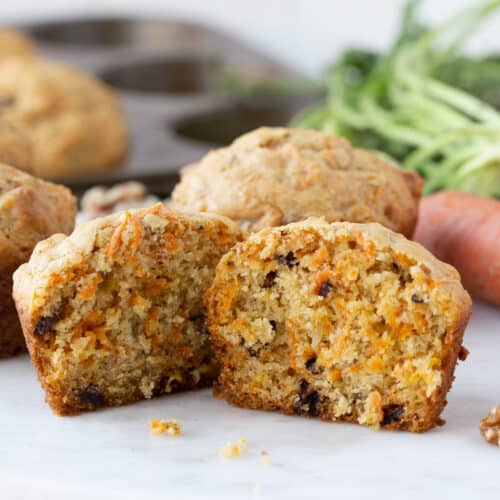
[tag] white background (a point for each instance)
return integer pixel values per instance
(303, 33)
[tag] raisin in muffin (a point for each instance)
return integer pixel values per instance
(30, 210)
(15, 147)
(13, 43)
(114, 313)
(73, 120)
(343, 321)
(274, 176)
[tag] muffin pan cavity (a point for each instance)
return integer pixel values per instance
(221, 126)
(168, 75)
(174, 75)
(110, 32)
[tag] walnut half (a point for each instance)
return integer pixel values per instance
(490, 426)
(100, 200)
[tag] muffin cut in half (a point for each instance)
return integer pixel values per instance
(343, 321)
(114, 313)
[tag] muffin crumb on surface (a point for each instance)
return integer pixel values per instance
(234, 450)
(490, 426)
(170, 427)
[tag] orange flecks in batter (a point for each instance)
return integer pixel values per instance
(321, 256)
(155, 287)
(373, 411)
(92, 318)
(340, 344)
(335, 375)
(90, 290)
(152, 321)
(320, 279)
(375, 363)
(116, 238)
(62, 277)
(252, 177)
(171, 243)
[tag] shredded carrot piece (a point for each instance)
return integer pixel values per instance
(155, 287)
(172, 244)
(89, 292)
(116, 238)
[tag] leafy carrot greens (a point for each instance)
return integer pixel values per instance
(407, 105)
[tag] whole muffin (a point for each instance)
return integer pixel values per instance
(13, 43)
(15, 148)
(347, 322)
(30, 210)
(114, 312)
(274, 176)
(73, 120)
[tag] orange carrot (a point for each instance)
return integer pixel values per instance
(464, 230)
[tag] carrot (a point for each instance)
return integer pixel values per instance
(464, 230)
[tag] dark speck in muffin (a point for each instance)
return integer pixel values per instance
(325, 288)
(46, 324)
(310, 363)
(289, 259)
(307, 401)
(392, 413)
(91, 396)
(269, 279)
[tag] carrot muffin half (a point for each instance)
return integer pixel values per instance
(343, 321)
(275, 176)
(114, 313)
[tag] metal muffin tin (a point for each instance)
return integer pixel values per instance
(164, 72)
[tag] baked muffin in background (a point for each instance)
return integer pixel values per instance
(73, 120)
(114, 313)
(15, 147)
(274, 176)
(13, 43)
(347, 322)
(30, 211)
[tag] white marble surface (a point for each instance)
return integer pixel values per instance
(111, 454)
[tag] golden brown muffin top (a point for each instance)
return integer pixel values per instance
(13, 43)
(274, 176)
(15, 147)
(74, 121)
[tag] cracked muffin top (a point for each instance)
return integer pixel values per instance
(13, 43)
(275, 176)
(74, 121)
